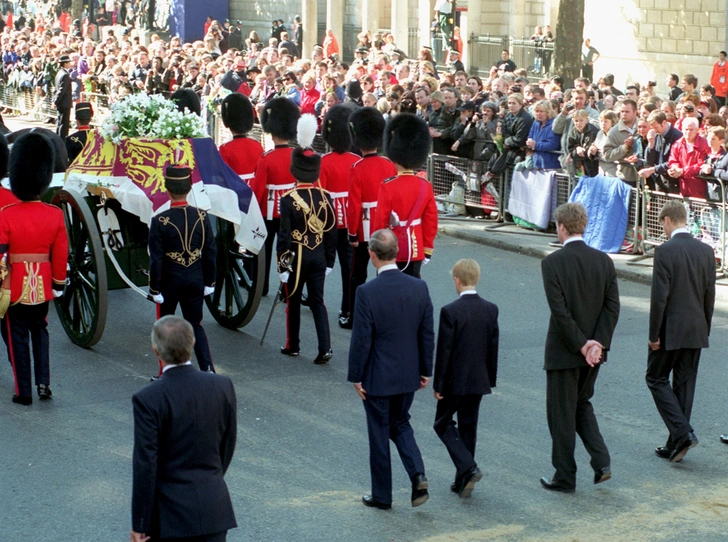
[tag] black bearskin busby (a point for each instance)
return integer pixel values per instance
(186, 97)
(31, 165)
(4, 156)
(407, 140)
(335, 129)
(237, 113)
(58, 144)
(367, 128)
(279, 118)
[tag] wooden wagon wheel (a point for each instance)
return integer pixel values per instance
(238, 281)
(82, 308)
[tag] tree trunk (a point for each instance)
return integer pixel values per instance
(76, 11)
(568, 40)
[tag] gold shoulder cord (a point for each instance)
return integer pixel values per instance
(188, 256)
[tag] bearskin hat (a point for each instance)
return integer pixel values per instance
(237, 113)
(4, 156)
(407, 140)
(367, 127)
(58, 144)
(186, 97)
(31, 165)
(279, 118)
(335, 129)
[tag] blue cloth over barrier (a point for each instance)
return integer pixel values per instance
(606, 200)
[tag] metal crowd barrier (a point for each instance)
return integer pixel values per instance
(460, 187)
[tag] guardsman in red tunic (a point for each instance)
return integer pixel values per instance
(335, 168)
(308, 239)
(76, 141)
(6, 196)
(367, 126)
(273, 176)
(406, 203)
(242, 154)
(33, 236)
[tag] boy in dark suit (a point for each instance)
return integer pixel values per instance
(465, 369)
(681, 310)
(185, 428)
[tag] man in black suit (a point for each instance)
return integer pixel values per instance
(63, 99)
(184, 438)
(465, 369)
(582, 292)
(681, 310)
(390, 358)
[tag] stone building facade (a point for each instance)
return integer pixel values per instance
(639, 40)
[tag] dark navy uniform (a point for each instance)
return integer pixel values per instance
(308, 231)
(181, 263)
(77, 140)
(63, 99)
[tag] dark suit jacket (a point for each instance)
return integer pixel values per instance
(393, 337)
(467, 347)
(64, 96)
(683, 293)
(184, 438)
(581, 289)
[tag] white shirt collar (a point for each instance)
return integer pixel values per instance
(467, 292)
(679, 230)
(388, 267)
(572, 239)
(172, 366)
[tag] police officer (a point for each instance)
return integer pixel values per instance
(33, 235)
(63, 99)
(76, 141)
(242, 153)
(182, 259)
(406, 203)
(307, 238)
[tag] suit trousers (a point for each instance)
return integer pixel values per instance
(190, 299)
(272, 227)
(215, 537)
(20, 322)
(359, 266)
(388, 418)
(63, 121)
(570, 412)
(343, 251)
(411, 268)
(312, 274)
(675, 404)
(459, 439)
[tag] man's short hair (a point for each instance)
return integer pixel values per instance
(173, 339)
(690, 79)
(383, 243)
(675, 77)
(467, 270)
(675, 211)
(630, 101)
(657, 116)
(538, 91)
(572, 216)
(454, 90)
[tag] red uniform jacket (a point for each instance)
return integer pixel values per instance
(690, 161)
(364, 180)
(38, 229)
(273, 179)
(398, 198)
(334, 177)
(242, 155)
(7, 197)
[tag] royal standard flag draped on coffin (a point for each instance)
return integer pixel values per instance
(133, 171)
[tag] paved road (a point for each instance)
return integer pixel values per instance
(301, 464)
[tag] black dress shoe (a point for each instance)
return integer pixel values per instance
(44, 392)
(549, 484)
(468, 480)
(602, 475)
(663, 452)
(23, 400)
(370, 501)
(345, 322)
(288, 352)
(324, 358)
(419, 490)
(682, 447)
(454, 486)
(724, 439)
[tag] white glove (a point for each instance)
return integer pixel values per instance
(284, 276)
(57, 293)
(158, 299)
(329, 270)
(209, 290)
(426, 261)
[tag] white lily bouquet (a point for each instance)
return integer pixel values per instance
(155, 117)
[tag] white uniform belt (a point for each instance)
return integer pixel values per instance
(337, 195)
(280, 186)
(415, 222)
(247, 176)
(369, 204)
